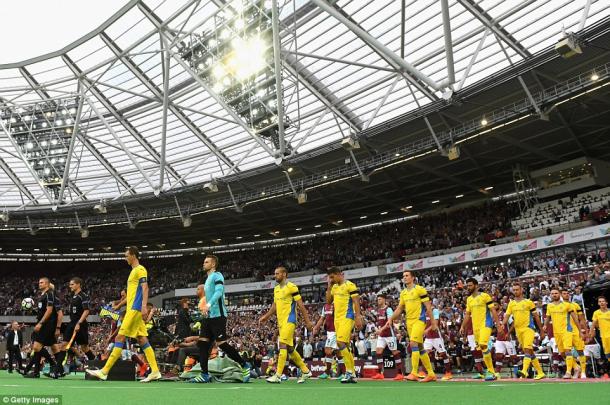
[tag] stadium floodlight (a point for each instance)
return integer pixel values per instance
(187, 221)
(484, 121)
(568, 46)
(233, 53)
(84, 232)
(4, 216)
(43, 140)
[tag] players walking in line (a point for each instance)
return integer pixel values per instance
(524, 314)
(214, 326)
(433, 339)
(286, 300)
(77, 330)
(346, 298)
(49, 319)
(601, 321)
(578, 329)
(133, 323)
(560, 313)
(327, 319)
(481, 309)
(415, 303)
(386, 338)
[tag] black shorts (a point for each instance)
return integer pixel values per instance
(215, 329)
(82, 336)
(46, 335)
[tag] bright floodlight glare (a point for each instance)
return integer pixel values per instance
(268, 4)
(219, 71)
(43, 144)
(248, 57)
(29, 145)
(239, 24)
(47, 171)
(484, 121)
(594, 76)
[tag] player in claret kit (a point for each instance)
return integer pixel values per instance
(506, 353)
(327, 319)
(433, 340)
(386, 338)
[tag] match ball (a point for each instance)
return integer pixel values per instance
(27, 304)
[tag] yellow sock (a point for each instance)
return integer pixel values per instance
(150, 357)
(425, 360)
(537, 366)
(281, 361)
(414, 361)
(569, 364)
(583, 364)
(114, 356)
(298, 361)
(348, 359)
(488, 361)
(526, 365)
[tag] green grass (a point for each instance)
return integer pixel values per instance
(76, 390)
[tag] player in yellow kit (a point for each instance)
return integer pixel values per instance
(482, 310)
(577, 342)
(601, 320)
(560, 313)
(524, 314)
(286, 300)
(346, 298)
(415, 303)
(133, 323)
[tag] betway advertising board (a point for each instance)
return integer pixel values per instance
(507, 249)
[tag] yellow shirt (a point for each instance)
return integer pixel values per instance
(522, 313)
(413, 301)
(285, 299)
(137, 277)
(560, 315)
(342, 298)
(603, 321)
(577, 310)
(479, 308)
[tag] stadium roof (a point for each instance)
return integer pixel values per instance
(345, 63)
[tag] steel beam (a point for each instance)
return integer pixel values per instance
(118, 116)
(11, 175)
(75, 130)
(152, 87)
(489, 22)
(448, 42)
(156, 21)
(34, 83)
(395, 60)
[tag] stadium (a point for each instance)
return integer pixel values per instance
(338, 201)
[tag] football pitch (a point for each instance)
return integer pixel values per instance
(75, 389)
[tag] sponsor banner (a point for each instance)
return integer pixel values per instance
(316, 367)
(508, 249)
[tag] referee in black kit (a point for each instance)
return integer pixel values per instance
(46, 330)
(78, 327)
